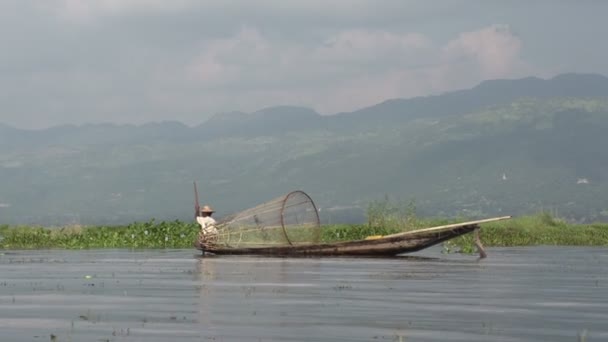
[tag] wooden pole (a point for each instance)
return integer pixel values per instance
(450, 226)
(197, 206)
(482, 251)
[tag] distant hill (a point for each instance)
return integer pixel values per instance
(488, 93)
(268, 121)
(502, 147)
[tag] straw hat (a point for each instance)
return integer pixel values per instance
(207, 209)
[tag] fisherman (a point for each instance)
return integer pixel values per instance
(207, 222)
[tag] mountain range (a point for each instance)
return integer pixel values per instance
(503, 147)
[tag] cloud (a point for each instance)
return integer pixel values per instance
(494, 49)
(354, 68)
(71, 61)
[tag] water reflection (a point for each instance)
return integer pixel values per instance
(514, 295)
(270, 298)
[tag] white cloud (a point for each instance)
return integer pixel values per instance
(143, 60)
(353, 68)
(224, 61)
(495, 50)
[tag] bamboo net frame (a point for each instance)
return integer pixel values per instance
(288, 220)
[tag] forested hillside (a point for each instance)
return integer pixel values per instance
(503, 147)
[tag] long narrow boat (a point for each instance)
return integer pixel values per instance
(389, 245)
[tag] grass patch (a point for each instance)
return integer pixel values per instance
(537, 230)
(540, 229)
(149, 234)
(384, 217)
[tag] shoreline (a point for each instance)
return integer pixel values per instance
(534, 230)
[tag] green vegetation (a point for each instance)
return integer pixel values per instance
(383, 218)
(537, 230)
(506, 147)
(386, 217)
(150, 234)
(540, 229)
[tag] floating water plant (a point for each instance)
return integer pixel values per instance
(541, 229)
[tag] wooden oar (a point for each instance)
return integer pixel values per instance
(197, 206)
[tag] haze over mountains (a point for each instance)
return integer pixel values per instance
(502, 147)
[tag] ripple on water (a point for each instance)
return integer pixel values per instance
(517, 294)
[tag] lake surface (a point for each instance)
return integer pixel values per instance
(516, 294)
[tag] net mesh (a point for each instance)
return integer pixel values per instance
(291, 219)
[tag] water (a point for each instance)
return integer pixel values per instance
(516, 294)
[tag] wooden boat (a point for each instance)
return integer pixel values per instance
(389, 245)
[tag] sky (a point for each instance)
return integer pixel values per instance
(138, 61)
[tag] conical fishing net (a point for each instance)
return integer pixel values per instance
(288, 220)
